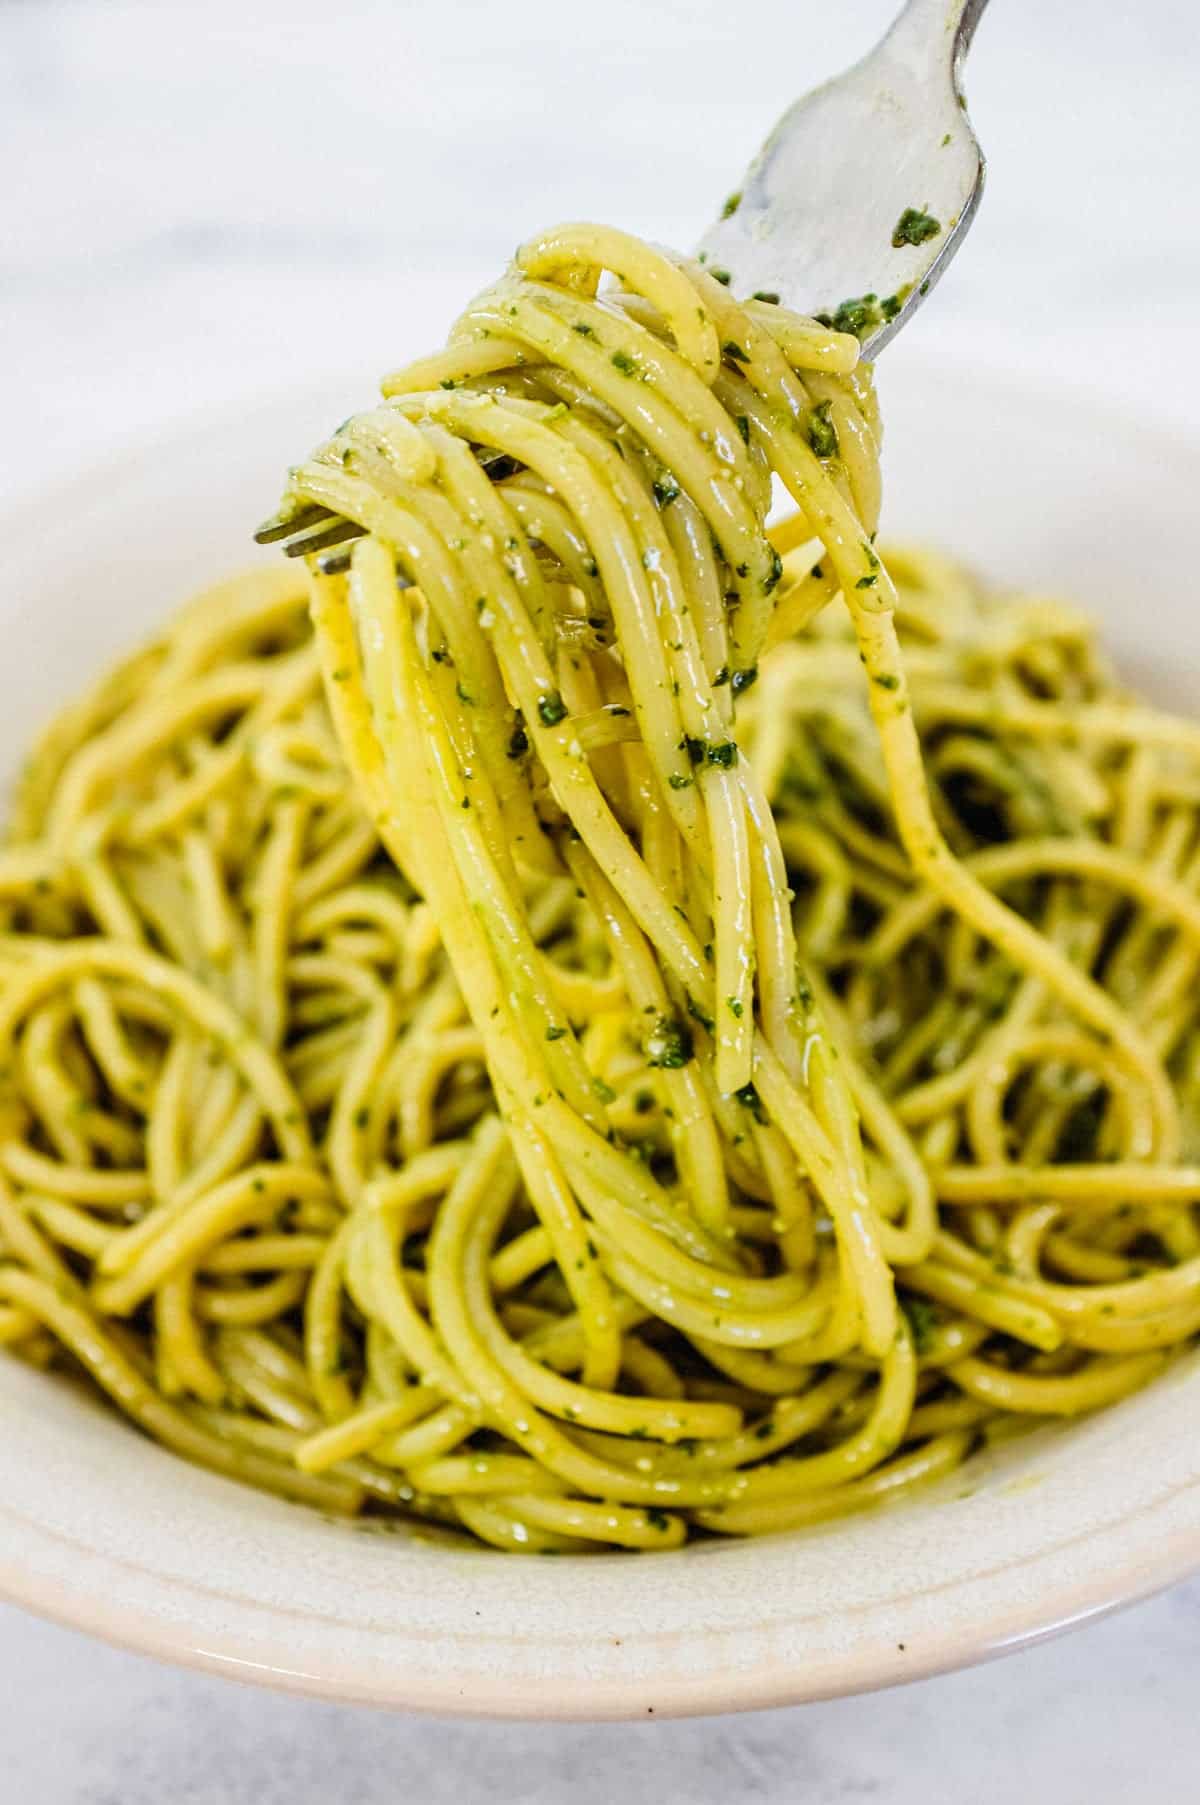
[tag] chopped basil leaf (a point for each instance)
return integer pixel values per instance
(914, 226)
(771, 580)
(669, 1044)
(820, 431)
(749, 1098)
(519, 741)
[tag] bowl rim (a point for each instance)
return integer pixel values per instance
(256, 1651)
(1154, 1542)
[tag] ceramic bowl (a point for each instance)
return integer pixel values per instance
(103, 1530)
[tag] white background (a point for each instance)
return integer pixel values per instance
(202, 203)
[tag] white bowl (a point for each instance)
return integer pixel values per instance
(105, 1531)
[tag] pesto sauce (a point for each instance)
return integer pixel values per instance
(820, 431)
(860, 314)
(669, 1045)
(915, 226)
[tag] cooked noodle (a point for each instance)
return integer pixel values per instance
(619, 1022)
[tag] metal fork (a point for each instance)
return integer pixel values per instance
(850, 212)
(860, 197)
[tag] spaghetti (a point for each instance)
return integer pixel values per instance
(592, 1020)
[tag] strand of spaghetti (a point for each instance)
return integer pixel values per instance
(896, 1479)
(959, 889)
(251, 1196)
(667, 1419)
(457, 1295)
(1102, 1379)
(1093, 1186)
(855, 1223)
(90, 957)
(694, 1132)
(514, 1075)
(79, 1331)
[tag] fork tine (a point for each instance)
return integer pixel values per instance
(289, 521)
(316, 542)
(333, 564)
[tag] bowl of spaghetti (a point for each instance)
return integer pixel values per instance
(626, 1003)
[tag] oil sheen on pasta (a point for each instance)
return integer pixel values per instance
(590, 1021)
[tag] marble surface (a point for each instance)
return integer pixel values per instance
(1103, 1717)
(203, 204)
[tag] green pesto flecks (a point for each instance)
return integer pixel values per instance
(518, 740)
(820, 431)
(669, 1044)
(771, 581)
(749, 1098)
(857, 314)
(915, 226)
(698, 1015)
(924, 1319)
(890, 306)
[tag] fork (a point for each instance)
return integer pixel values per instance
(850, 212)
(862, 194)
